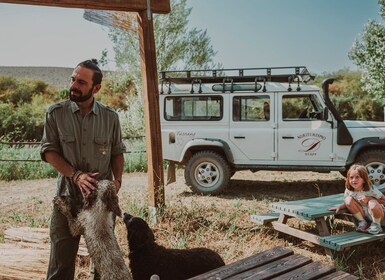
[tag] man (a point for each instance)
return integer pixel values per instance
(82, 141)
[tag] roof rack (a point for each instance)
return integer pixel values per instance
(266, 74)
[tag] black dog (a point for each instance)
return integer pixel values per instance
(148, 258)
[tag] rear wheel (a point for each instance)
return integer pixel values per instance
(207, 173)
(374, 160)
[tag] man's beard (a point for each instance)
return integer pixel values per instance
(81, 97)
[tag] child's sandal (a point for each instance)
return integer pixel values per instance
(362, 226)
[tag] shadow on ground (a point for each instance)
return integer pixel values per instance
(278, 190)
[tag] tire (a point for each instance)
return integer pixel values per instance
(207, 173)
(374, 160)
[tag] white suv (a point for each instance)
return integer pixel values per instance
(215, 122)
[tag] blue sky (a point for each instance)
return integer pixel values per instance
(245, 33)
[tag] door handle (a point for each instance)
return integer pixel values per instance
(287, 137)
(239, 137)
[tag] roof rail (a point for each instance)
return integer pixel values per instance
(266, 74)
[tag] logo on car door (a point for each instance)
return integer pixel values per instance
(310, 143)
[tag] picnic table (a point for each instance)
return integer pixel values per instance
(277, 263)
(316, 210)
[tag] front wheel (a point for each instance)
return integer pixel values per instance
(374, 161)
(207, 173)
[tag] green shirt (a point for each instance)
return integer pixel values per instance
(87, 143)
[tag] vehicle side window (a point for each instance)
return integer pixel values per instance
(193, 108)
(251, 108)
(300, 107)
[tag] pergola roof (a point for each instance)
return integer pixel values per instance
(157, 6)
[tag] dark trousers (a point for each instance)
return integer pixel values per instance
(64, 248)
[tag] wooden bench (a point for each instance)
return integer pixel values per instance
(314, 209)
(264, 219)
(339, 242)
(277, 263)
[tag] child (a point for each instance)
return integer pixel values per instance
(363, 201)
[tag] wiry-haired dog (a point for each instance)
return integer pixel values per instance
(148, 258)
(96, 222)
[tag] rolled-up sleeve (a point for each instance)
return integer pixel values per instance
(118, 146)
(50, 139)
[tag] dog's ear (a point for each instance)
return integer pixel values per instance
(111, 200)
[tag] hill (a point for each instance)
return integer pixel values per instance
(55, 76)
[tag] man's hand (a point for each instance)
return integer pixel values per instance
(86, 182)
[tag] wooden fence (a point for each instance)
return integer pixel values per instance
(34, 144)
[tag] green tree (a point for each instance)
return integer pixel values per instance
(368, 53)
(177, 47)
(22, 107)
(347, 94)
(347, 82)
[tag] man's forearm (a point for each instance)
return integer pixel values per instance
(59, 163)
(117, 165)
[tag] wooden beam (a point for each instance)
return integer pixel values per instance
(157, 6)
(313, 238)
(151, 110)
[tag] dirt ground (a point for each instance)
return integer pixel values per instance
(14, 194)
(29, 203)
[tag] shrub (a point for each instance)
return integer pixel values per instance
(369, 109)
(7, 82)
(344, 106)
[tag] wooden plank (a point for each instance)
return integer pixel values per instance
(323, 229)
(156, 195)
(157, 6)
(339, 275)
(275, 268)
(246, 264)
(22, 263)
(265, 218)
(308, 209)
(26, 234)
(310, 271)
(341, 241)
(296, 232)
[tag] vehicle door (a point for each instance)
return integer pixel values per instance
(302, 134)
(252, 126)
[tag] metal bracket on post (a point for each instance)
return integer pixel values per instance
(149, 9)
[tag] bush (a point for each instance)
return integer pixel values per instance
(20, 124)
(344, 106)
(6, 83)
(369, 109)
(23, 104)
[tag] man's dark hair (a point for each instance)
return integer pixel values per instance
(93, 65)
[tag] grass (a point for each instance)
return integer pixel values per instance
(218, 222)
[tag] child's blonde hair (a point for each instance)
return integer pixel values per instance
(361, 170)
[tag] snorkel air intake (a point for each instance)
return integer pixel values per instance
(343, 135)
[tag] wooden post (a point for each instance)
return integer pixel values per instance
(151, 110)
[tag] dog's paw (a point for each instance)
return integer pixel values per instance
(59, 201)
(63, 205)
